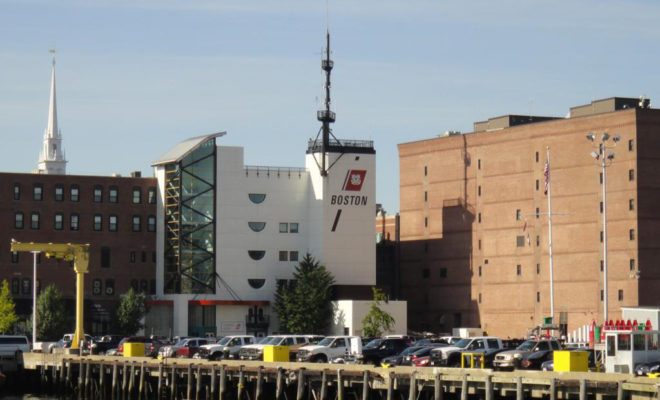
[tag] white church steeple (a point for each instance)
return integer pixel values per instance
(52, 159)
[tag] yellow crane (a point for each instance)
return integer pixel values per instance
(79, 254)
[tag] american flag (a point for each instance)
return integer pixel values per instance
(546, 178)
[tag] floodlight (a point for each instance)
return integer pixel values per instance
(616, 138)
(591, 136)
(610, 156)
(595, 155)
(605, 136)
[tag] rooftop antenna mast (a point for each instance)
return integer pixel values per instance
(326, 115)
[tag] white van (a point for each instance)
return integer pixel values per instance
(12, 348)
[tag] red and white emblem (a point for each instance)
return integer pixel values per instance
(354, 180)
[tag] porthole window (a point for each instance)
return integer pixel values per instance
(257, 226)
(257, 198)
(256, 283)
(256, 254)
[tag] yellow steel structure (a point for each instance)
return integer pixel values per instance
(79, 254)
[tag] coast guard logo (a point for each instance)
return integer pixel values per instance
(354, 179)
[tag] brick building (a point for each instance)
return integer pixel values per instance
(115, 215)
(474, 225)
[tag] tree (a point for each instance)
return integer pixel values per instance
(304, 305)
(132, 308)
(53, 321)
(377, 321)
(7, 309)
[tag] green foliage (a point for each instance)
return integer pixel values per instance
(304, 306)
(53, 321)
(377, 321)
(132, 308)
(7, 309)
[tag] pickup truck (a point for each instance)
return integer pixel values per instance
(226, 348)
(450, 356)
(374, 351)
(330, 348)
(534, 352)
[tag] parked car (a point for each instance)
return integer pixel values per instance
(534, 352)
(294, 342)
(451, 356)
(421, 358)
(225, 348)
(643, 369)
(104, 343)
(189, 347)
(151, 346)
(400, 358)
(330, 348)
(374, 351)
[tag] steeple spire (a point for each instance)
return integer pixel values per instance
(52, 159)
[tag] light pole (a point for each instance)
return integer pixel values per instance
(604, 159)
(34, 296)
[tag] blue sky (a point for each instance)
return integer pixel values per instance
(136, 77)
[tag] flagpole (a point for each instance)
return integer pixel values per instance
(552, 289)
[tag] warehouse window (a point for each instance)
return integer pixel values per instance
(518, 269)
(537, 184)
(631, 234)
(137, 195)
(632, 264)
(538, 269)
(537, 156)
(480, 270)
(113, 194)
(151, 196)
(426, 170)
(38, 192)
(293, 256)
(73, 222)
(293, 227)
(59, 222)
(112, 223)
(257, 198)
(283, 256)
(538, 297)
(520, 241)
(98, 194)
(151, 223)
(518, 215)
(538, 212)
(137, 223)
(105, 257)
(631, 145)
(18, 220)
(631, 175)
(75, 193)
(620, 294)
(631, 204)
(479, 163)
(34, 220)
(17, 191)
(59, 192)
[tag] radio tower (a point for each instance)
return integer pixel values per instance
(326, 116)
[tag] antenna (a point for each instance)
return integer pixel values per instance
(52, 51)
(326, 116)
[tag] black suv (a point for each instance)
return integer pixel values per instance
(374, 351)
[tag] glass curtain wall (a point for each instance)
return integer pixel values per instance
(190, 222)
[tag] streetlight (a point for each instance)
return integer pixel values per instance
(34, 296)
(604, 159)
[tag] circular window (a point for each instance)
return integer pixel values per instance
(257, 226)
(256, 254)
(257, 198)
(256, 283)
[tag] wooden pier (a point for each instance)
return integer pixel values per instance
(117, 378)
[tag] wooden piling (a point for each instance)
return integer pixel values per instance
(124, 380)
(131, 380)
(189, 384)
(279, 383)
(489, 387)
(464, 388)
(259, 386)
(159, 389)
(437, 387)
(198, 376)
(324, 385)
(175, 378)
(212, 392)
(114, 381)
(519, 388)
(390, 386)
(340, 385)
(553, 389)
(300, 392)
(141, 384)
(81, 366)
(241, 383)
(365, 385)
(223, 383)
(88, 387)
(412, 390)
(619, 390)
(61, 383)
(53, 379)
(101, 381)
(583, 389)
(68, 375)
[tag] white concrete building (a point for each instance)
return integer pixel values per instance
(227, 232)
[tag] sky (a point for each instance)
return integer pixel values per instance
(134, 78)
